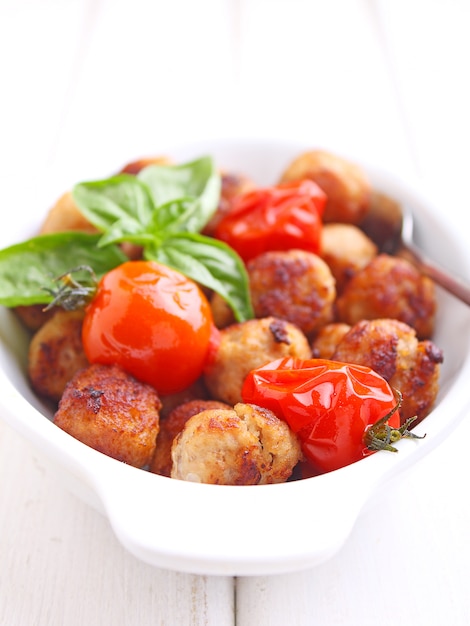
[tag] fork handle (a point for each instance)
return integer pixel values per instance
(442, 277)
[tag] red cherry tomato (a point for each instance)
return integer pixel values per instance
(275, 218)
(331, 406)
(153, 322)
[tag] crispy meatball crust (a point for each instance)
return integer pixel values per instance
(56, 354)
(112, 412)
(392, 349)
(345, 184)
(294, 285)
(389, 287)
(346, 250)
(246, 445)
(173, 424)
(325, 341)
(247, 345)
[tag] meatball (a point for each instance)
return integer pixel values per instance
(56, 353)
(112, 412)
(346, 250)
(246, 445)
(173, 424)
(325, 341)
(382, 223)
(134, 167)
(294, 285)
(196, 391)
(222, 313)
(389, 287)
(345, 184)
(246, 346)
(33, 316)
(392, 349)
(64, 216)
(233, 186)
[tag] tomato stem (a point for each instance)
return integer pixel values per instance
(381, 436)
(72, 294)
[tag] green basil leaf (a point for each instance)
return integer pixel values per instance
(209, 262)
(171, 217)
(27, 268)
(126, 230)
(195, 186)
(122, 198)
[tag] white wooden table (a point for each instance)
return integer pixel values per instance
(94, 83)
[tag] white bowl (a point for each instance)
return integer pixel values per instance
(257, 530)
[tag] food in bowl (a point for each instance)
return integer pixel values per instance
(135, 339)
(224, 529)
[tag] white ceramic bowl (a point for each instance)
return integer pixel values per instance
(222, 530)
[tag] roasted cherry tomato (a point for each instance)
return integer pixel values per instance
(153, 322)
(340, 412)
(274, 218)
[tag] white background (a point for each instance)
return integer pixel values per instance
(90, 84)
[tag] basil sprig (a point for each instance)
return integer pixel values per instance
(28, 269)
(162, 209)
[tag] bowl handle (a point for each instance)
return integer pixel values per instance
(233, 531)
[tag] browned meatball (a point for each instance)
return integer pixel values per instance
(233, 186)
(134, 167)
(392, 349)
(382, 221)
(112, 412)
(222, 313)
(346, 250)
(33, 316)
(173, 424)
(246, 445)
(56, 353)
(389, 287)
(65, 216)
(246, 346)
(345, 184)
(293, 285)
(196, 391)
(325, 341)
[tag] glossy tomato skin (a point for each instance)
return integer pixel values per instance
(328, 404)
(153, 322)
(281, 217)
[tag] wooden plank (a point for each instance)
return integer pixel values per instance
(428, 49)
(39, 47)
(112, 80)
(423, 565)
(61, 563)
(211, 69)
(315, 71)
(153, 73)
(390, 571)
